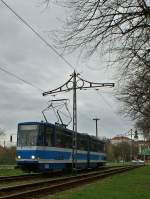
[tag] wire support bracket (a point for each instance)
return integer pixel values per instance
(76, 83)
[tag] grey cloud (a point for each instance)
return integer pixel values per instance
(24, 54)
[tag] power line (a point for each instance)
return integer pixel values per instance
(37, 34)
(110, 106)
(41, 38)
(19, 78)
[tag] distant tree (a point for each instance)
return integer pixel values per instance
(119, 27)
(122, 151)
(143, 125)
(110, 152)
(122, 26)
(135, 96)
(8, 155)
(2, 132)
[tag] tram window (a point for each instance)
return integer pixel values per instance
(63, 139)
(48, 136)
(94, 145)
(59, 138)
(27, 135)
(40, 140)
(67, 139)
(79, 146)
(97, 145)
(100, 147)
(82, 142)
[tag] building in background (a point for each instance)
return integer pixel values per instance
(119, 139)
(144, 150)
(139, 149)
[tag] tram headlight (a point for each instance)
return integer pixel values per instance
(19, 157)
(33, 157)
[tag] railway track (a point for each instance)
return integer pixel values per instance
(51, 186)
(26, 177)
(19, 177)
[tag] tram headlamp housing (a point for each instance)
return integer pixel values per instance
(19, 157)
(33, 157)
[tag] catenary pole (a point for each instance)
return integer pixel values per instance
(96, 120)
(74, 146)
(84, 84)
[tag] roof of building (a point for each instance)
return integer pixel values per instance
(120, 138)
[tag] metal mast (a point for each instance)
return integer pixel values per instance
(74, 83)
(74, 144)
(74, 102)
(96, 119)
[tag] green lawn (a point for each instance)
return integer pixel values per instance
(132, 185)
(9, 171)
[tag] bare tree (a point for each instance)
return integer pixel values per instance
(143, 124)
(136, 94)
(122, 26)
(136, 97)
(2, 132)
(122, 151)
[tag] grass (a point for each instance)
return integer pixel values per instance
(117, 163)
(132, 185)
(9, 170)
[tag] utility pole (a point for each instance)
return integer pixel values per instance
(74, 145)
(74, 83)
(131, 133)
(96, 119)
(135, 134)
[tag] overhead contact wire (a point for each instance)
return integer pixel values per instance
(19, 78)
(37, 34)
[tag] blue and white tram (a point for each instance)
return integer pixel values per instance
(45, 146)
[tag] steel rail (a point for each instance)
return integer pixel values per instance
(19, 177)
(46, 187)
(51, 180)
(15, 178)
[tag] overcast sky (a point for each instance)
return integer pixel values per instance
(22, 53)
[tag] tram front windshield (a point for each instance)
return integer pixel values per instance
(27, 135)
